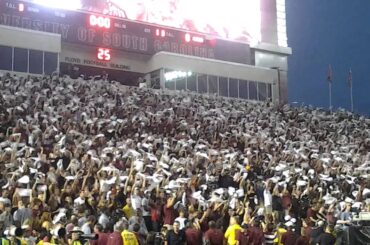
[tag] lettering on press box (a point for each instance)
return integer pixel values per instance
(89, 62)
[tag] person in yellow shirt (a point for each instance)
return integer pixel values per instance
(279, 233)
(128, 209)
(128, 237)
(230, 234)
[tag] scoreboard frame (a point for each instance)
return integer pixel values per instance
(115, 33)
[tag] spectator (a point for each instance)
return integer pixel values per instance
(129, 237)
(327, 238)
(213, 236)
(115, 238)
(256, 235)
(175, 236)
(289, 237)
(230, 234)
(193, 235)
(138, 219)
(102, 237)
(242, 235)
(270, 234)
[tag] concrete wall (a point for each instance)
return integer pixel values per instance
(22, 38)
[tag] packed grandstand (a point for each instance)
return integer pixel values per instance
(141, 166)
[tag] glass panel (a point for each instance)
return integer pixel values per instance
(181, 84)
(50, 62)
(243, 89)
(252, 90)
(269, 91)
(192, 82)
(233, 86)
(212, 85)
(155, 80)
(170, 85)
(20, 59)
(223, 86)
(202, 83)
(36, 61)
(262, 91)
(6, 58)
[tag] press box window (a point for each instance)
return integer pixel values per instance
(6, 58)
(224, 86)
(253, 90)
(202, 83)
(50, 62)
(20, 60)
(36, 60)
(192, 82)
(233, 88)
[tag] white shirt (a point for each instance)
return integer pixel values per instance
(79, 201)
(145, 205)
(86, 229)
(104, 186)
(267, 197)
(181, 221)
(5, 200)
(103, 220)
(136, 202)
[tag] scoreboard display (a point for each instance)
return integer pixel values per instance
(107, 33)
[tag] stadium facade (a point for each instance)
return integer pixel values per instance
(40, 39)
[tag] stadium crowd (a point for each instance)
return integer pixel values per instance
(140, 166)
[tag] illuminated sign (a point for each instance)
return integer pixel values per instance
(102, 22)
(104, 54)
(194, 38)
(160, 32)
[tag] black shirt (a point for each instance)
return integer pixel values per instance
(326, 239)
(277, 203)
(316, 232)
(175, 238)
(226, 181)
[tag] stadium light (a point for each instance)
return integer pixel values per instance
(65, 4)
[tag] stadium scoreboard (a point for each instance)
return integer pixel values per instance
(108, 34)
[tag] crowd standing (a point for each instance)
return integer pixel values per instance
(93, 161)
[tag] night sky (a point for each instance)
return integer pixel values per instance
(329, 32)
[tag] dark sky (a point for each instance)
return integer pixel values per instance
(323, 32)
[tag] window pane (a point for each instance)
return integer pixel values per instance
(50, 63)
(262, 91)
(269, 91)
(181, 84)
(202, 83)
(243, 89)
(212, 85)
(5, 58)
(224, 87)
(233, 86)
(252, 90)
(20, 59)
(192, 82)
(170, 85)
(35, 61)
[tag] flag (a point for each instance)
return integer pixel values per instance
(350, 78)
(329, 77)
